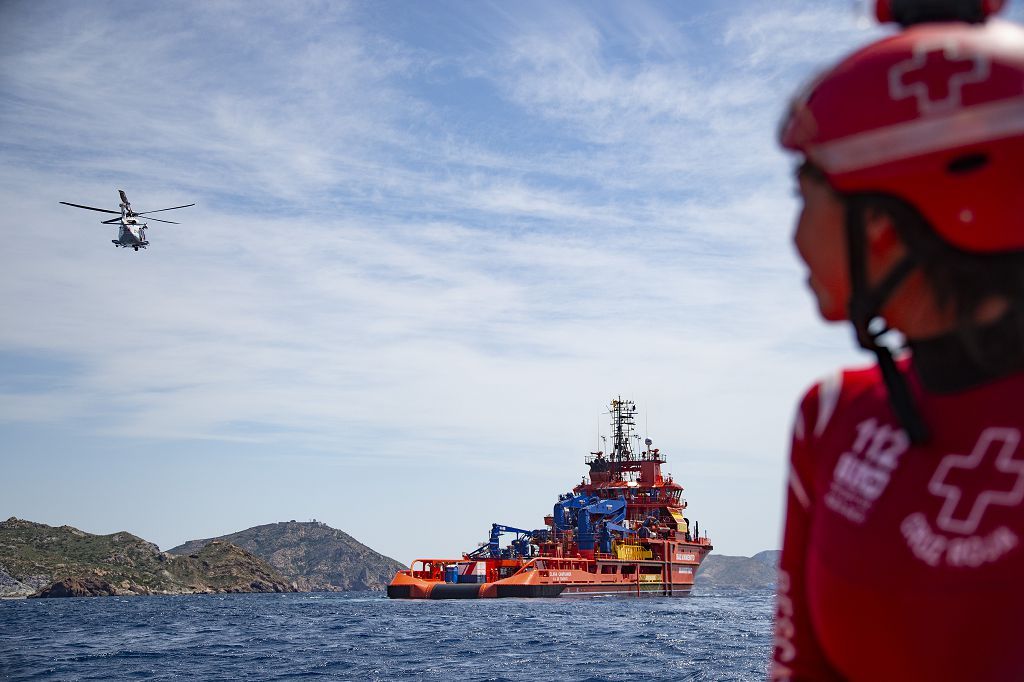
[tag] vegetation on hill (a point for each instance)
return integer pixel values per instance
(36, 559)
(313, 555)
(721, 572)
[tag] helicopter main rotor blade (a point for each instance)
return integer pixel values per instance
(164, 209)
(91, 208)
(114, 221)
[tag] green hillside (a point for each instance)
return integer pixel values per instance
(35, 557)
(313, 555)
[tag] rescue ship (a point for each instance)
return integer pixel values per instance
(621, 531)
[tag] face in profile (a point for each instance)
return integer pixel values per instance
(820, 239)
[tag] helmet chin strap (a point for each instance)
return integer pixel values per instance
(864, 307)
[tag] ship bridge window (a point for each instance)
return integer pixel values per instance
(609, 569)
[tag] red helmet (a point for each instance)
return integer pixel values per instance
(933, 115)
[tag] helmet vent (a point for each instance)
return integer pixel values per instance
(967, 163)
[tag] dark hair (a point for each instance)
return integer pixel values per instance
(962, 280)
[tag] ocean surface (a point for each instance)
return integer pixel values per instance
(365, 636)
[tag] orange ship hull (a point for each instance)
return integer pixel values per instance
(546, 577)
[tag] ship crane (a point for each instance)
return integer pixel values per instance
(597, 516)
(567, 512)
(518, 547)
(564, 516)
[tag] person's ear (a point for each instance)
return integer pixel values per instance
(882, 237)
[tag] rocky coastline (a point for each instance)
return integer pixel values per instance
(39, 561)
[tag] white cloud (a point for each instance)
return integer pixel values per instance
(794, 33)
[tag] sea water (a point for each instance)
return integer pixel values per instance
(365, 636)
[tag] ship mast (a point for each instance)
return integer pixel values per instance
(626, 462)
(623, 413)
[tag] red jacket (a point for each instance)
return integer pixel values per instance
(904, 562)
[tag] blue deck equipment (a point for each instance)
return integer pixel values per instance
(519, 547)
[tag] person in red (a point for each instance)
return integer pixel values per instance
(903, 552)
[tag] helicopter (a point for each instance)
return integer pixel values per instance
(132, 232)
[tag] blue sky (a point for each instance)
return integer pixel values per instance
(432, 240)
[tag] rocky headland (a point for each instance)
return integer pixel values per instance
(720, 572)
(37, 560)
(316, 557)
